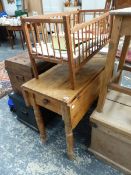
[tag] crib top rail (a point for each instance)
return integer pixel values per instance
(54, 18)
(87, 15)
(95, 12)
(41, 20)
(85, 24)
(50, 16)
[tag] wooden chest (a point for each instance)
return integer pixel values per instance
(122, 4)
(20, 71)
(111, 131)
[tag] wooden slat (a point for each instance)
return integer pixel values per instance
(119, 88)
(127, 68)
(27, 37)
(124, 52)
(42, 20)
(44, 38)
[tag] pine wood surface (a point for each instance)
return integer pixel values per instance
(121, 27)
(55, 83)
(116, 113)
(81, 40)
(111, 131)
(52, 91)
(119, 97)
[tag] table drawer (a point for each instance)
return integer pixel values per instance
(48, 103)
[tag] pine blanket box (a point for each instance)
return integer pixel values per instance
(52, 91)
(19, 70)
(111, 131)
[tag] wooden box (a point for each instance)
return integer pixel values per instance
(111, 131)
(20, 71)
(122, 4)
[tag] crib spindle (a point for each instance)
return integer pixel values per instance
(52, 40)
(33, 31)
(82, 57)
(95, 37)
(89, 40)
(86, 40)
(38, 37)
(44, 38)
(79, 46)
(92, 37)
(58, 39)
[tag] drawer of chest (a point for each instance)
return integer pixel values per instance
(49, 103)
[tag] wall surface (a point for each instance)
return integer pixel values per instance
(33, 6)
(58, 5)
(53, 5)
(9, 8)
(93, 4)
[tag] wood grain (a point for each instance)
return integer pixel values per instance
(111, 131)
(54, 93)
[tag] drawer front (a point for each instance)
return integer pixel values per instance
(17, 80)
(48, 103)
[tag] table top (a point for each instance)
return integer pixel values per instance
(124, 11)
(55, 82)
(15, 28)
(19, 26)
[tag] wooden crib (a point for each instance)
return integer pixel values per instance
(70, 37)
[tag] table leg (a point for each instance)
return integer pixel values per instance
(10, 37)
(123, 55)
(68, 130)
(22, 40)
(107, 74)
(39, 120)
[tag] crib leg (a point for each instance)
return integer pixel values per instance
(66, 115)
(66, 21)
(72, 79)
(123, 55)
(34, 67)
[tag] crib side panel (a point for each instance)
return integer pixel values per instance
(90, 37)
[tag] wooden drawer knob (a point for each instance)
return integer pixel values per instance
(46, 101)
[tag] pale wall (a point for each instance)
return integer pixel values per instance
(58, 5)
(53, 5)
(93, 4)
(9, 8)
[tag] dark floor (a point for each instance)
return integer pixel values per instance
(6, 51)
(21, 152)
